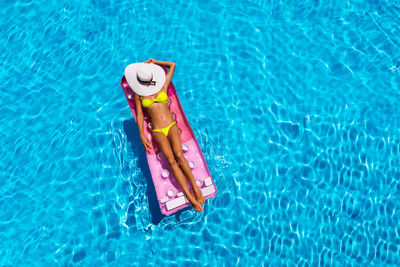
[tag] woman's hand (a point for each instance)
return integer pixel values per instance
(146, 143)
(161, 63)
(150, 61)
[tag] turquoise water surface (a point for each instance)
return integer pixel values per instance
(294, 104)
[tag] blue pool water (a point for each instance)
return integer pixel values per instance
(294, 104)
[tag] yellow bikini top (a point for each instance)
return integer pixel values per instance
(161, 97)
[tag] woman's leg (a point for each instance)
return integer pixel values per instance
(165, 147)
(175, 141)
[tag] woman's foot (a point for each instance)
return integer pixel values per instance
(199, 195)
(196, 205)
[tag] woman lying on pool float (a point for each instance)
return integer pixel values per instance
(150, 83)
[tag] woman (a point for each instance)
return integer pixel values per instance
(150, 84)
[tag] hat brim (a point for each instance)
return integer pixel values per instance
(140, 89)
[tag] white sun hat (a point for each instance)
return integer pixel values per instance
(145, 78)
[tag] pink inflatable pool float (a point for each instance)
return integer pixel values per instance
(169, 193)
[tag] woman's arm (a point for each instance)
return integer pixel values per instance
(170, 73)
(139, 118)
(161, 63)
(139, 115)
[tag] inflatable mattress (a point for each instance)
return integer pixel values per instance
(169, 193)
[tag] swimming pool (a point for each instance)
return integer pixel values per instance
(294, 104)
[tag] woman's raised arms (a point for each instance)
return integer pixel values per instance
(170, 73)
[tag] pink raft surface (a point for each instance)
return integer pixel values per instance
(169, 193)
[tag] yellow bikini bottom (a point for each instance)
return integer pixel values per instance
(164, 130)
